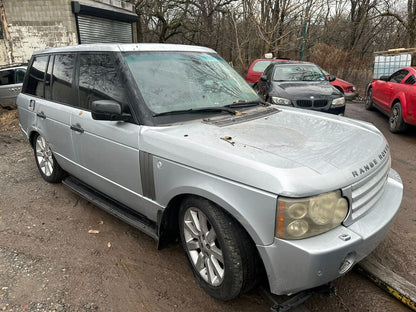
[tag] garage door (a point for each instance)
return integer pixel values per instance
(95, 30)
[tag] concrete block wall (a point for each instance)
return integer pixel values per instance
(39, 24)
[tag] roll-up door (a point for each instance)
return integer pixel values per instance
(95, 30)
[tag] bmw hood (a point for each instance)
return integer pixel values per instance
(304, 89)
(292, 152)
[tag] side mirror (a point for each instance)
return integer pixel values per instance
(331, 78)
(108, 110)
(263, 77)
(385, 78)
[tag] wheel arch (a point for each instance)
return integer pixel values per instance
(32, 136)
(169, 223)
(401, 98)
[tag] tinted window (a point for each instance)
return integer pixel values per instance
(99, 79)
(20, 75)
(35, 83)
(398, 76)
(411, 80)
(63, 68)
(260, 66)
(6, 77)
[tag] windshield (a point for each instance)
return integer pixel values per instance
(174, 81)
(298, 72)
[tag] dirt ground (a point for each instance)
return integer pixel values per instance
(50, 262)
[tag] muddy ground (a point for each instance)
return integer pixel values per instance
(50, 262)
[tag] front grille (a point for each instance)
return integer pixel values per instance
(312, 103)
(320, 103)
(304, 103)
(365, 193)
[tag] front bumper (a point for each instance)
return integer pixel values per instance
(350, 95)
(295, 265)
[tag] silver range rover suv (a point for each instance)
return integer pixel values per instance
(172, 140)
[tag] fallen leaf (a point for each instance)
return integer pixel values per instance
(93, 232)
(109, 245)
(101, 222)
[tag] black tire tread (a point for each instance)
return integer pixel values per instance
(58, 173)
(247, 268)
(401, 125)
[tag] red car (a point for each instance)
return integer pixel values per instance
(344, 87)
(258, 66)
(395, 96)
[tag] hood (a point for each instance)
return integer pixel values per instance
(304, 89)
(292, 152)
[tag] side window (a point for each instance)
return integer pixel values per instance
(20, 75)
(63, 69)
(398, 76)
(6, 77)
(99, 79)
(35, 81)
(411, 80)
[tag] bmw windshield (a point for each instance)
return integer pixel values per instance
(298, 72)
(184, 82)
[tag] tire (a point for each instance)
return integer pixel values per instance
(368, 104)
(48, 167)
(396, 121)
(223, 258)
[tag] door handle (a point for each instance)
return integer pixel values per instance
(41, 115)
(77, 128)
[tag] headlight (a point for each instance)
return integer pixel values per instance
(280, 101)
(338, 102)
(305, 217)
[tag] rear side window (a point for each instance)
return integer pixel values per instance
(6, 77)
(99, 79)
(35, 83)
(63, 69)
(411, 80)
(398, 76)
(260, 66)
(20, 75)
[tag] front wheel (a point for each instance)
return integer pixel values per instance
(222, 256)
(46, 162)
(396, 121)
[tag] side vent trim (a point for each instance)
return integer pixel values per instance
(146, 173)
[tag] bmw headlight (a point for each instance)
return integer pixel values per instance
(280, 101)
(338, 102)
(305, 217)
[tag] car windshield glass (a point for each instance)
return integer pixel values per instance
(175, 81)
(298, 72)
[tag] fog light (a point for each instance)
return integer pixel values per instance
(347, 263)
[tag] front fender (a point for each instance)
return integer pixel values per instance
(254, 209)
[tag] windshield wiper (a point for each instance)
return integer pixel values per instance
(198, 110)
(243, 103)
